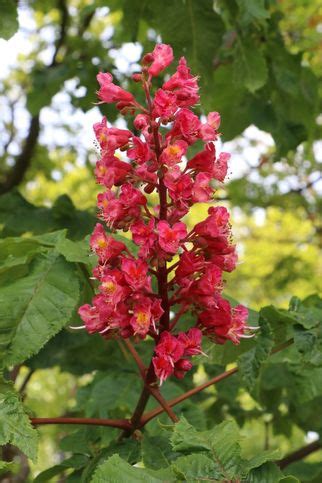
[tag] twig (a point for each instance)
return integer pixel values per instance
(155, 412)
(136, 357)
(113, 423)
(299, 454)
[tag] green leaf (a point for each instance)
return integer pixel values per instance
(261, 458)
(250, 65)
(157, 452)
(250, 362)
(117, 470)
(193, 29)
(251, 10)
(222, 442)
(74, 251)
(8, 18)
(195, 467)
(35, 307)
(15, 426)
(268, 473)
(17, 251)
(75, 462)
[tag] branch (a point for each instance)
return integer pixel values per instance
(64, 17)
(23, 161)
(113, 423)
(165, 405)
(155, 412)
(299, 454)
(136, 357)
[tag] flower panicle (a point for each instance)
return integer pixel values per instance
(132, 169)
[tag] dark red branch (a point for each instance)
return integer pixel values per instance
(113, 423)
(136, 357)
(155, 412)
(299, 454)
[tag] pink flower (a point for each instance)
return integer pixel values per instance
(144, 236)
(131, 197)
(141, 121)
(110, 92)
(140, 151)
(111, 288)
(216, 224)
(165, 104)
(146, 312)
(191, 341)
(161, 57)
(91, 317)
(170, 237)
(162, 368)
(203, 161)
(184, 85)
(179, 185)
(202, 192)
(135, 273)
(189, 263)
(173, 153)
(186, 126)
(221, 166)
(105, 246)
(112, 138)
(223, 323)
(111, 171)
(169, 347)
(181, 368)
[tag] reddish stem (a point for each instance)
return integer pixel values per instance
(136, 357)
(113, 423)
(155, 412)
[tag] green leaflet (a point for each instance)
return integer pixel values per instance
(15, 426)
(35, 307)
(250, 362)
(250, 65)
(193, 28)
(117, 470)
(222, 443)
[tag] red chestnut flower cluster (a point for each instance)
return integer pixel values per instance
(188, 265)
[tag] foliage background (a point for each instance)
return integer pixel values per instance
(260, 64)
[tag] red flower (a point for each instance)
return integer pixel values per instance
(110, 92)
(170, 237)
(105, 246)
(173, 153)
(161, 57)
(135, 273)
(184, 85)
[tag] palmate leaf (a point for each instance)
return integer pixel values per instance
(35, 307)
(15, 426)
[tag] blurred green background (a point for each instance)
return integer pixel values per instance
(260, 66)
